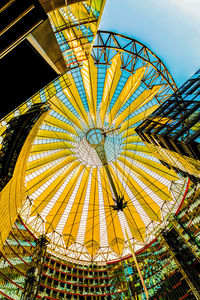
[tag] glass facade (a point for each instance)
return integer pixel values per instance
(172, 131)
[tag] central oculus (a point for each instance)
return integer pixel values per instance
(95, 136)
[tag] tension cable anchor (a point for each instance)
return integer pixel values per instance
(120, 204)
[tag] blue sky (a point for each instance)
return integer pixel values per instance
(170, 28)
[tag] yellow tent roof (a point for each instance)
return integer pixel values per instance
(71, 193)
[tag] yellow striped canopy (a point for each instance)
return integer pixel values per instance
(69, 195)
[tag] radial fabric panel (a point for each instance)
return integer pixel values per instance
(87, 151)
